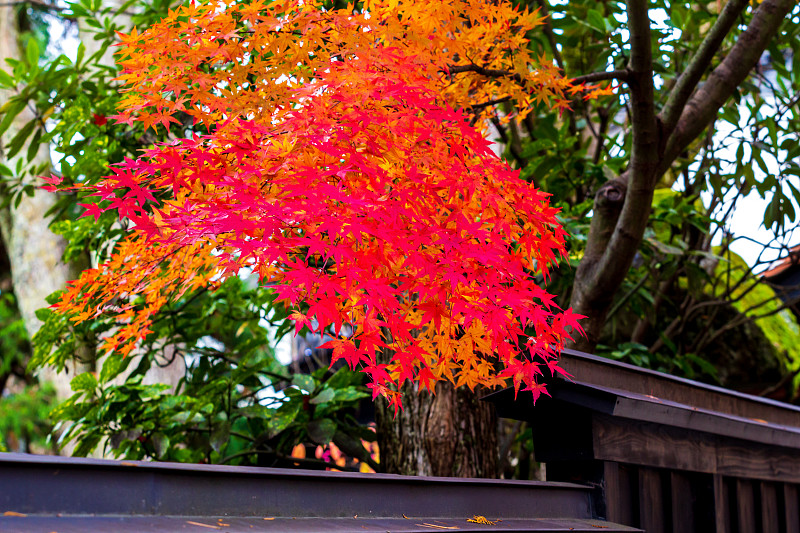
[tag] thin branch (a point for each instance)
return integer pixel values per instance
(488, 72)
(620, 74)
(781, 384)
(627, 296)
(551, 36)
(478, 107)
(699, 64)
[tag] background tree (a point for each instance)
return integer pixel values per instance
(705, 116)
(31, 252)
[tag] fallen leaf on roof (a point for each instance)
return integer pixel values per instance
(425, 524)
(478, 519)
(269, 518)
(200, 524)
(13, 513)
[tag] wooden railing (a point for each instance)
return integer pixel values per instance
(667, 454)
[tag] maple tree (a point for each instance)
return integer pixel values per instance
(343, 162)
(595, 152)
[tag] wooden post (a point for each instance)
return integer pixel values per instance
(651, 501)
(721, 505)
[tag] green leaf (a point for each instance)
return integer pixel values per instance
(350, 394)
(321, 431)
(83, 382)
(112, 366)
(703, 364)
(220, 436)
(344, 377)
(160, 444)
(304, 382)
(284, 416)
(254, 411)
(6, 80)
(16, 144)
(81, 52)
(324, 396)
(32, 53)
(10, 110)
(664, 248)
(33, 146)
(595, 20)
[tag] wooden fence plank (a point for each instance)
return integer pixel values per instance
(792, 506)
(682, 504)
(618, 494)
(745, 506)
(770, 521)
(651, 501)
(721, 505)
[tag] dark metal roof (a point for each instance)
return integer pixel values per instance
(600, 371)
(161, 524)
(90, 495)
(647, 408)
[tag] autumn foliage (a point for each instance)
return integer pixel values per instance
(340, 155)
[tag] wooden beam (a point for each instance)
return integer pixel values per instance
(660, 446)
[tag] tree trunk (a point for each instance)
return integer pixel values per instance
(34, 251)
(450, 434)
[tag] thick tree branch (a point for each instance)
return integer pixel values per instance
(699, 64)
(615, 234)
(624, 241)
(703, 106)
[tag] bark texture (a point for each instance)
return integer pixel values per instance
(451, 434)
(34, 252)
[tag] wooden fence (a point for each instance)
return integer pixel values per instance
(667, 454)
